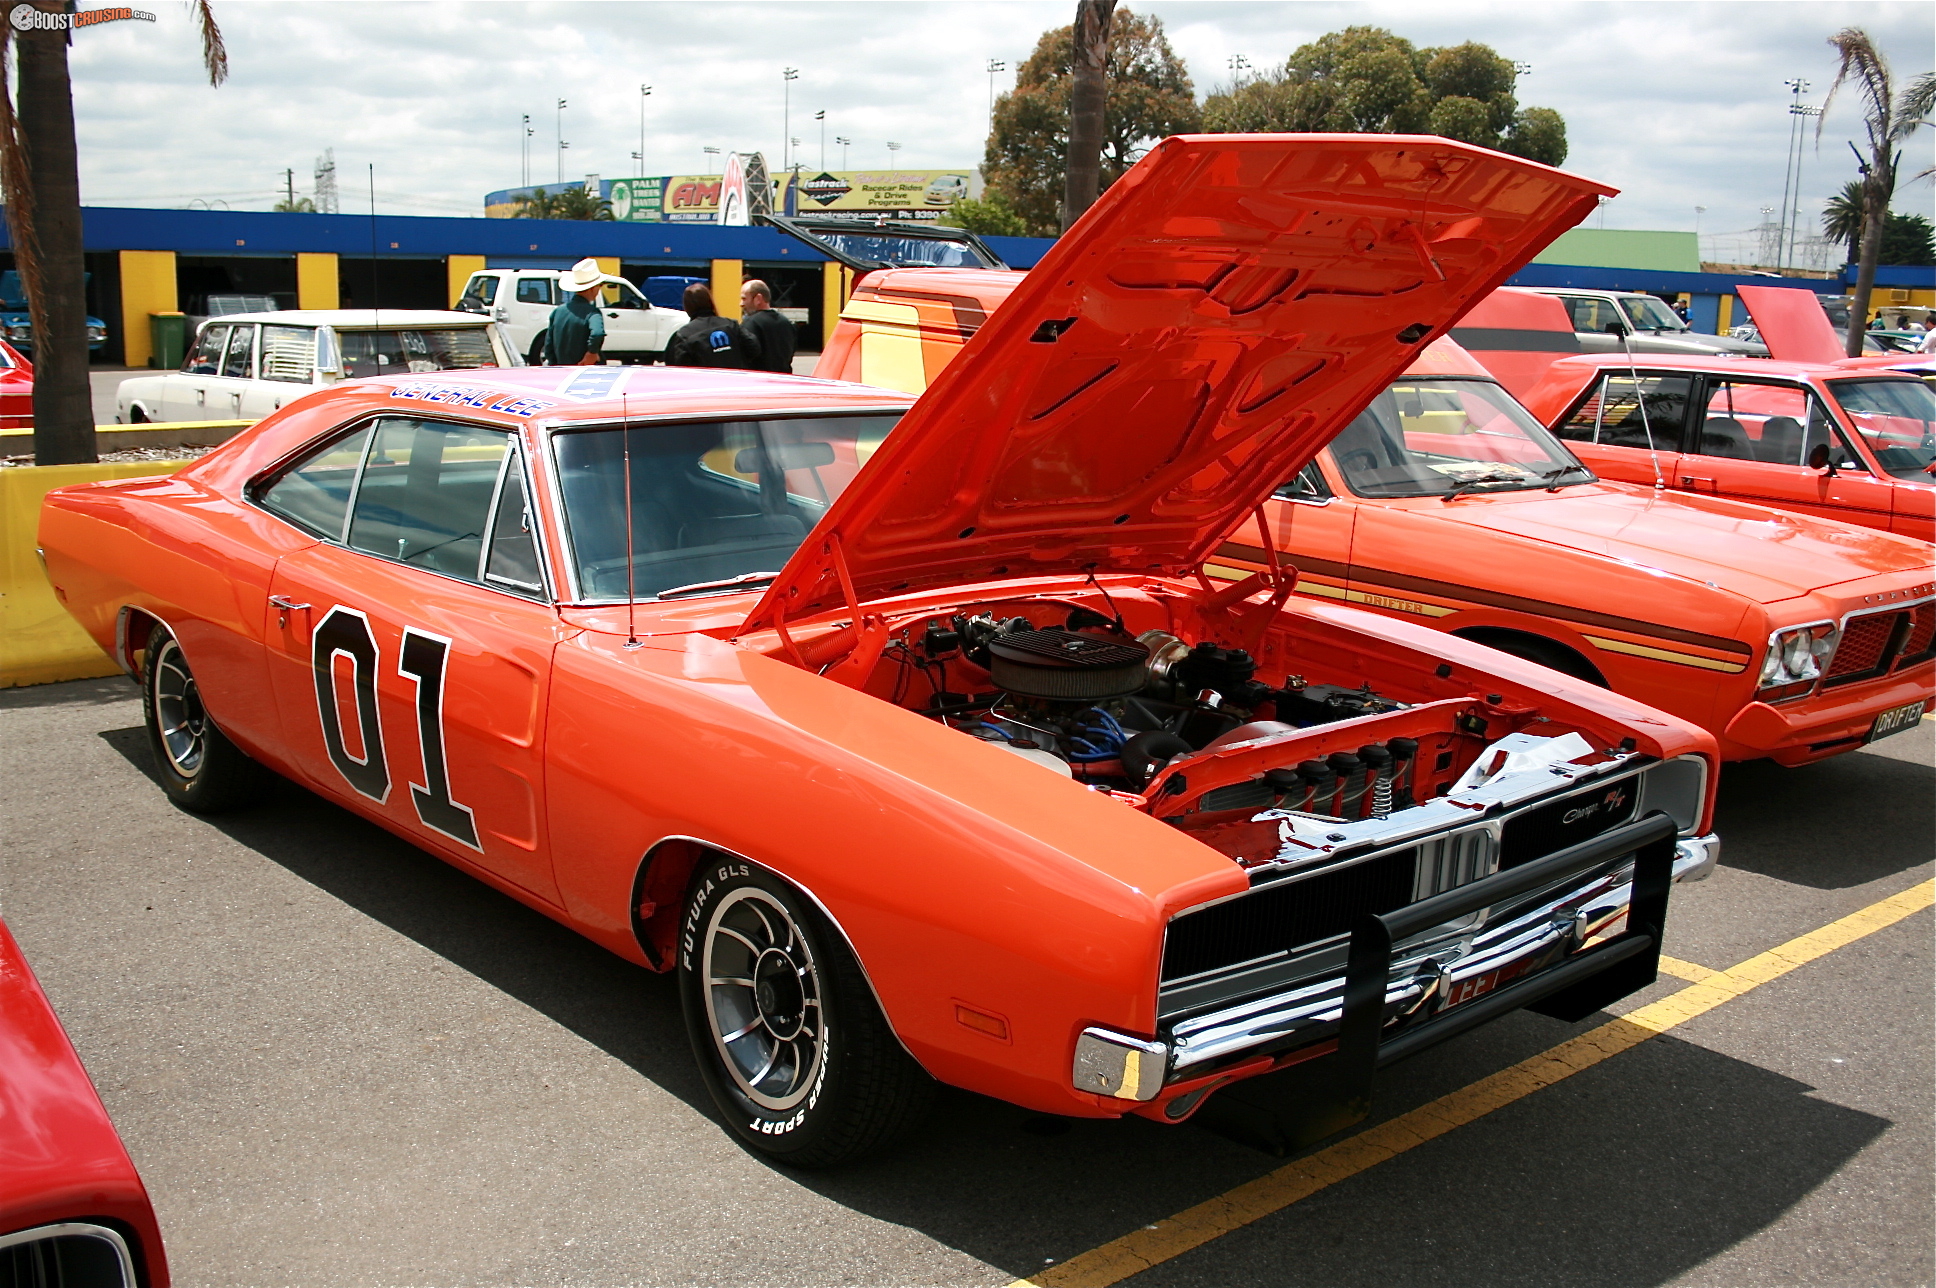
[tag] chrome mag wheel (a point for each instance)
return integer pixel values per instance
(763, 998)
(180, 721)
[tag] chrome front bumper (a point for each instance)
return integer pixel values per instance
(1430, 973)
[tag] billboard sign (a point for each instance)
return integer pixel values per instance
(891, 194)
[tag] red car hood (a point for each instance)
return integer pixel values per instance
(1224, 309)
(1792, 323)
(1760, 554)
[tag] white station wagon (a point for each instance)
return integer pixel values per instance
(245, 365)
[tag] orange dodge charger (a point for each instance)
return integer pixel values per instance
(934, 754)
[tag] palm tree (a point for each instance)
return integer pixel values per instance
(1088, 102)
(39, 169)
(575, 201)
(1842, 218)
(1887, 121)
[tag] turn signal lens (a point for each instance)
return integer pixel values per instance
(1796, 659)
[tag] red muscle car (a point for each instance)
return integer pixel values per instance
(72, 1208)
(935, 755)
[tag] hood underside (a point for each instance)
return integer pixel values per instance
(1216, 318)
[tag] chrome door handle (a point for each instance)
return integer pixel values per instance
(285, 606)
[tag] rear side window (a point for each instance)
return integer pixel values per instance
(1625, 412)
(205, 359)
(288, 353)
(426, 493)
(536, 290)
(315, 492)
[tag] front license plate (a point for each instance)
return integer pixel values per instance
(1895, 720)
(1479, 985)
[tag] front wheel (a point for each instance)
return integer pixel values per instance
(200, 769)
(790, 1041)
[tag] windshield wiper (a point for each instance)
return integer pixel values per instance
(745, 581)
(1553, 477)
(1466, 485)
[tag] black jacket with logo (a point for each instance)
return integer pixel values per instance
(713, 342)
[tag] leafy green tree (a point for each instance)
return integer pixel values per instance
(40, 168)
(572, 202)
(295, 206)
(1149, 98)
(1887, 121)
(1843, 218)
(989, 218)
(1366, 80)
(1906, 239)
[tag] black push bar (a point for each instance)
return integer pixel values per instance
(1570, 990)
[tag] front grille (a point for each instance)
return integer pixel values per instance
(1283, 918)
(1921, 644)
(1569, 820)
(1450, 861)
(1864, 641)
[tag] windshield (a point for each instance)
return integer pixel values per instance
(709, 501)
(1429, 437)
(392, 353)
(1649, 314)
(1897, 418)
(901, 252)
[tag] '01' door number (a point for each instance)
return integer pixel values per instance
(345, 632)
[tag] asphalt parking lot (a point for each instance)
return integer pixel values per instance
(338, 1061)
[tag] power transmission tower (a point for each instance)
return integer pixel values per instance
(326, 182)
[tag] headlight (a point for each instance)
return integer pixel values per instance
(1796, 659)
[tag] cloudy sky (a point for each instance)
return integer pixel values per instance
(1678, 104)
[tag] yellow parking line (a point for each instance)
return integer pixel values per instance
(1690, 971)
(1133, 1253)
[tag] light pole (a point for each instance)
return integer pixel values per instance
(994, 65)
(1604, 203)
(1802, 112)
(821, 116)
(1238, 66)
(710, 154)
(844, 143)
(562, 145)
(645, 92)
(524, 152)
(893, 154)
(788, 75)
(1796, 87)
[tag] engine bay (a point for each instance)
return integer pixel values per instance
(1261, 762)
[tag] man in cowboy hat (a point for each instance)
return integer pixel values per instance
(576, 335)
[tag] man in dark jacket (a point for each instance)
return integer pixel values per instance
(710, 340)
(766, 324)
(575, 336)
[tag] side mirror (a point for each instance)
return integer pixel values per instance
(1616, 328)
(1819, 459)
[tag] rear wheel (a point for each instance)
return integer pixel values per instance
(792, 1046)
(201, 770)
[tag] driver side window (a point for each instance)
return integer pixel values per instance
(1309, 485)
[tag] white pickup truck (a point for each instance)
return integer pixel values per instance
(521, 300)
(242, 366)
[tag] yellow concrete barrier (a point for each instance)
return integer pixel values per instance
(155, 433)
(39, 642)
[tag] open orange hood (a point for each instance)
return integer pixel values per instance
(1218, 316)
